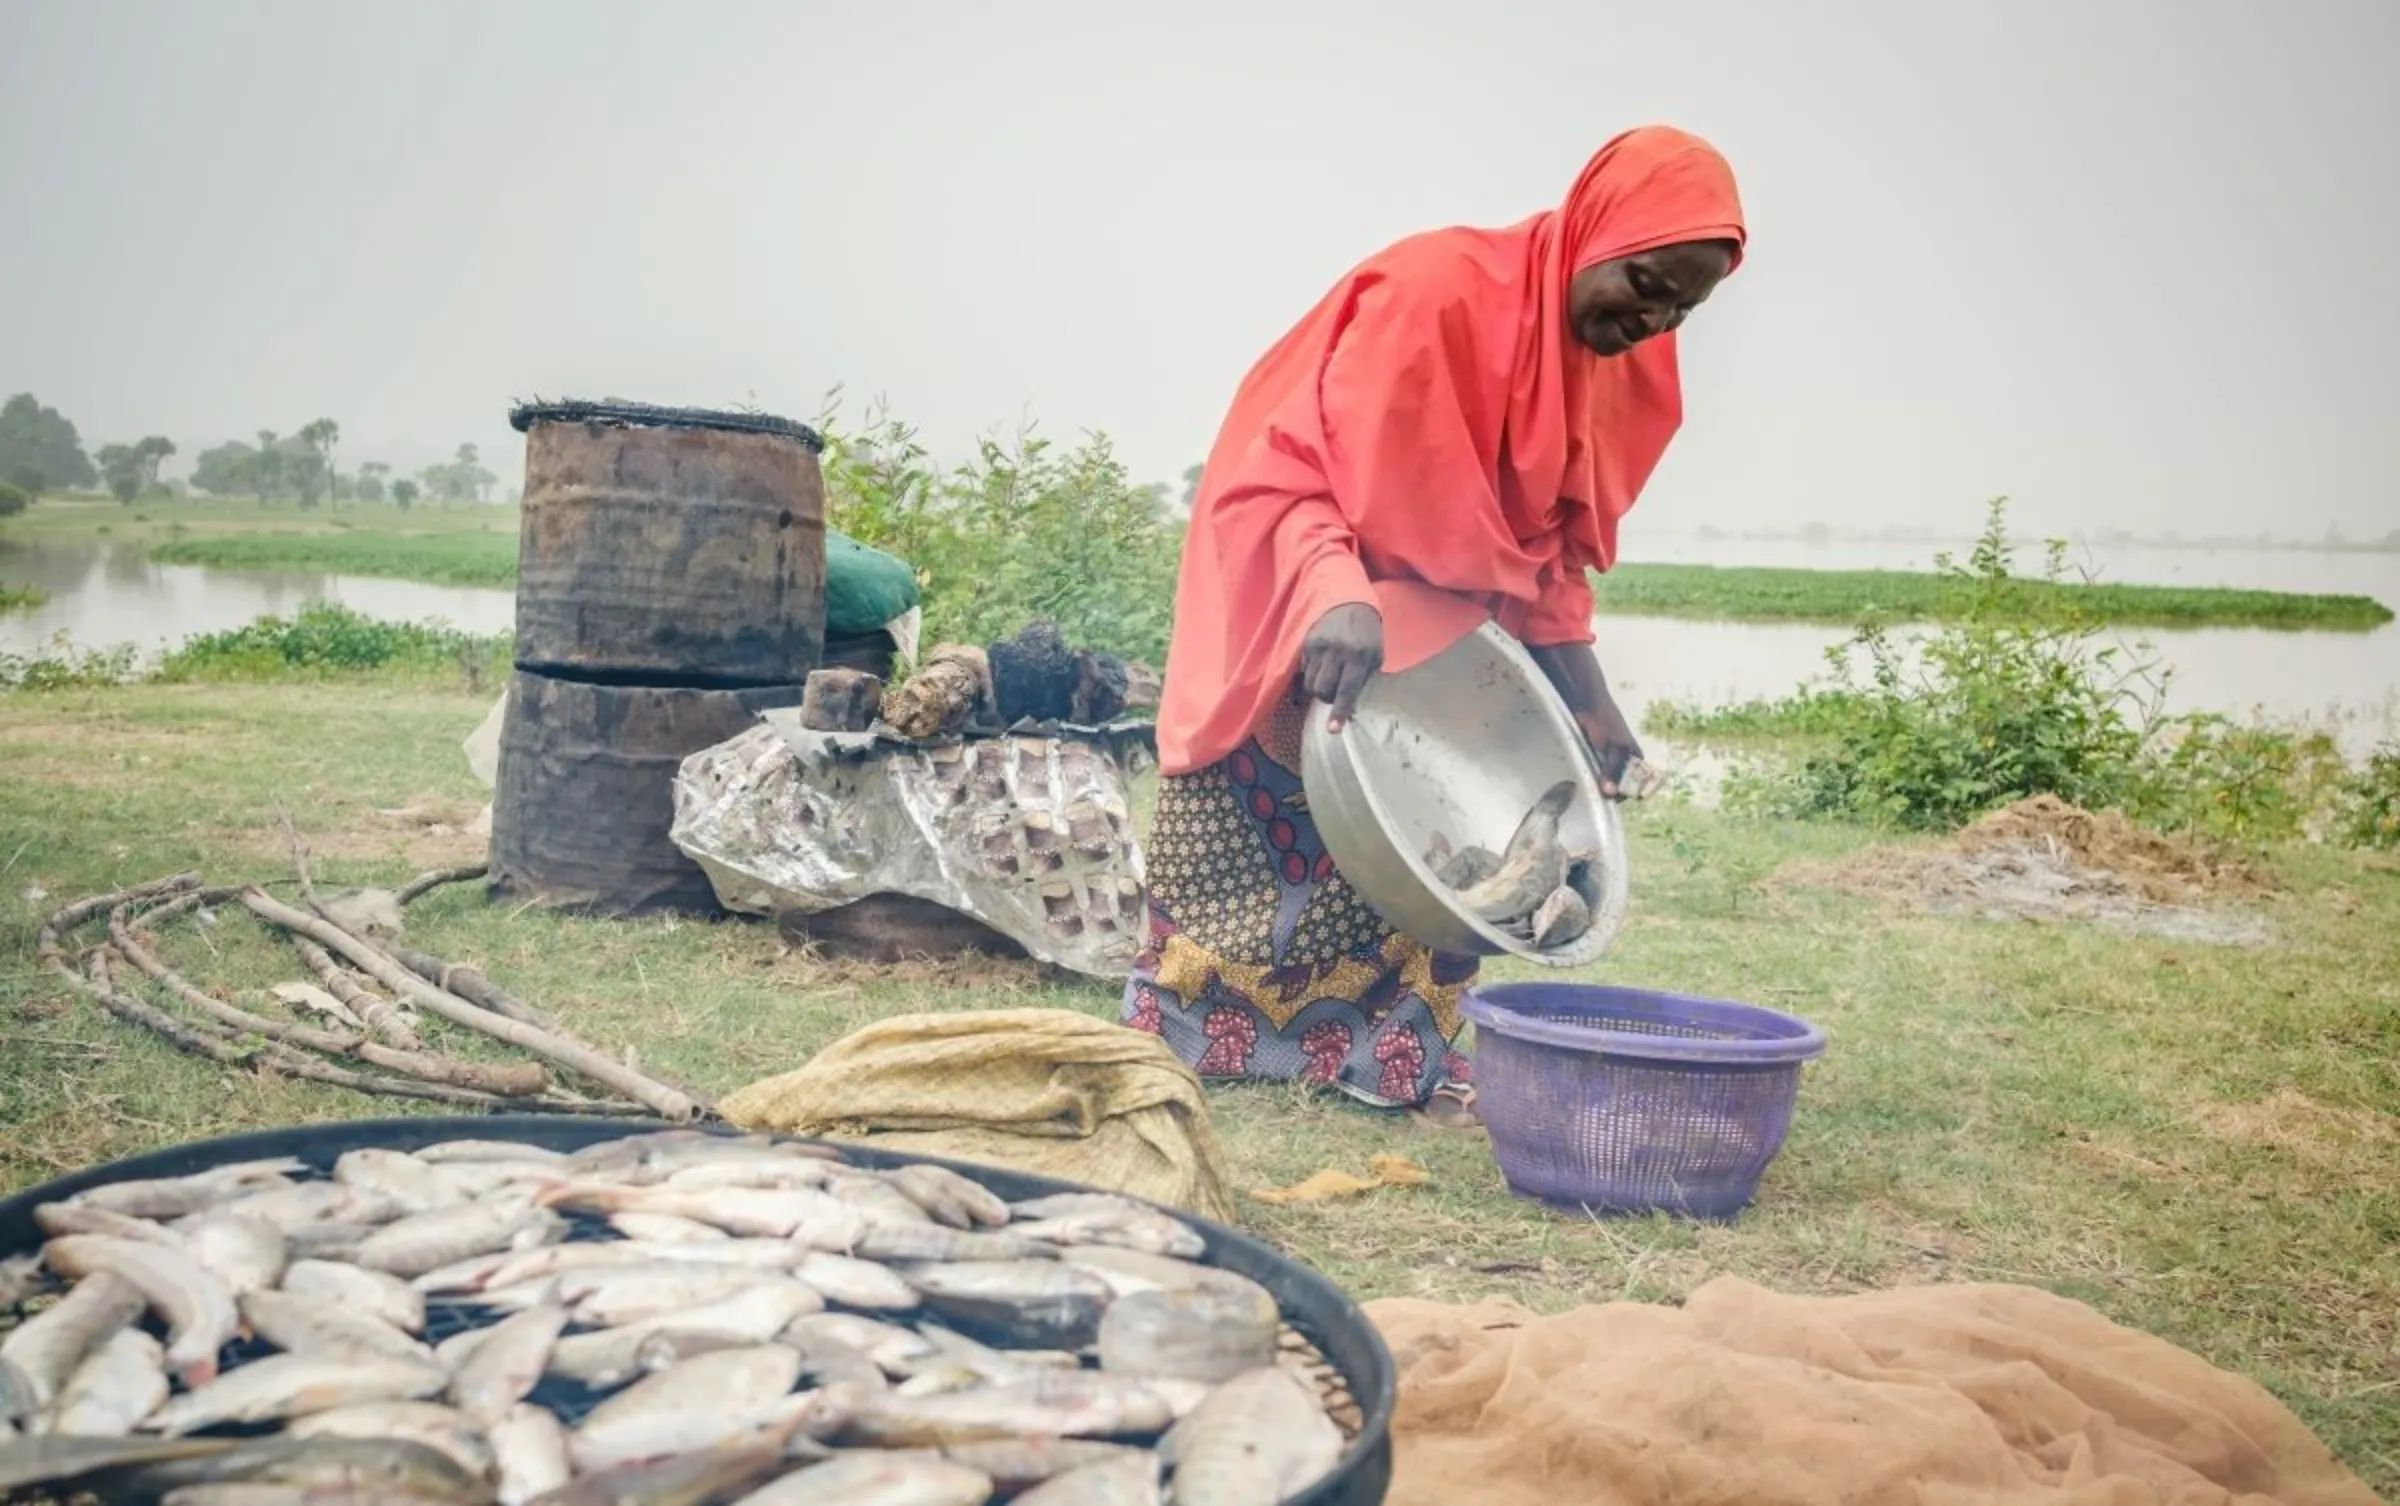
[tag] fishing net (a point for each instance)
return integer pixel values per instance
(1046, 1091)
(1935, 1394)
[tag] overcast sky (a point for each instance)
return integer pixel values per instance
(2134, 262)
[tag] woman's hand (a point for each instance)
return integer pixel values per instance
(1575, 670)
(1339, 656)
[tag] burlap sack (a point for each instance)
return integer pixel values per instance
(1934, 1395)
(1041, 1090)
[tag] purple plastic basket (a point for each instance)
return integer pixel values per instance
(1620, 1100)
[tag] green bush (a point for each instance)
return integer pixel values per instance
(1026, 529)
(326, 639)
(63, 666)
(2370, 800)
(14, 499)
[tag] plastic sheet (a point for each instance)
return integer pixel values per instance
(1028, 833)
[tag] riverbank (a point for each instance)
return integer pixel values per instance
(2199, 1141)
(477, 546)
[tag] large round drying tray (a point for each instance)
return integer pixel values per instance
(1315, 1306)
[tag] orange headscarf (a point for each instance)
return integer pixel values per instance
(1431, 440)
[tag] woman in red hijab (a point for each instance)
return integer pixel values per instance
(1448, 438)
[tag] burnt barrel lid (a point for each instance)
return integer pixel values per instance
(623, 414)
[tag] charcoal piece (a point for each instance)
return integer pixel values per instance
(1099, 690)
(1033, 675)
(841, 700)
(941, 697)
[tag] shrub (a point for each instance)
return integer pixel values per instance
(14, 499)
(325, 638)
(1026, 529)
(2370, 800)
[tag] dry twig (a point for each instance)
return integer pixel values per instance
(424, 883)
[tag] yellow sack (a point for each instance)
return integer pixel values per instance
(1047, 1091)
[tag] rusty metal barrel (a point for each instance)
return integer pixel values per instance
(585, 799)
(669, 546)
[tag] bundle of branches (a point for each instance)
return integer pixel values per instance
(361, 1026)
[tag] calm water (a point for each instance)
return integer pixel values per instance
(103, 595)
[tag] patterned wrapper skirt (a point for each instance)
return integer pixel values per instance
(1262, 963)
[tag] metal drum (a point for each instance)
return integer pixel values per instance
(669, 546)
(585, 798)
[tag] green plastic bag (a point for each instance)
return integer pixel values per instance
(864, 588)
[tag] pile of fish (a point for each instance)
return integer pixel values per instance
(672, 1319)
(1535, 889)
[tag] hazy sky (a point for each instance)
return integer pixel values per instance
(2130, 261)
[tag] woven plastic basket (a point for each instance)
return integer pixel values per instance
(1620, 1100)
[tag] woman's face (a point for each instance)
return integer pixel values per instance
(1615, 305)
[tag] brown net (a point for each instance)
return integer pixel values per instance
(1939, 1394)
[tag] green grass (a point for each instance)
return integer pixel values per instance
(446, 559)
(2201, 1143)
(1841, 597)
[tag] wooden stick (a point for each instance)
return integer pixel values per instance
(666, 1102)
(59, 925)
(516, 1080)
(391, 1023)
(225, 1052)
(425, 883)
(469, 985)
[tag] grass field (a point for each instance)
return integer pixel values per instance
(2202, 1143)
(477, 546)
(1841, 597)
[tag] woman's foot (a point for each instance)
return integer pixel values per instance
(1452, 1106)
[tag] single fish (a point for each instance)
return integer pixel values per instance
(452, 1151)
(664, 1228)
(1561, 918)
(197, 1307)
(1209, 1334)
(607, 1358)
(856, 1283)
(699, 1403)
(323, 1239)
(44, 1350)
(1134, 1271)
(1127, 1480)
(482, 1179)
(390, 1471)
(529, 1454)
(878, 1202)
(533, 1265)
(806, 1214)
(764, 1170)
(293, 1385)
(877, 1480)
(243, 1252)
(58, 1220)
(1063, 1404)
(1068, 1204)
(425, 1423)
(825, 1362)
(428, 1241)
(1146, 1230)
(1019, 1464)
(644, 1160)
(314, 1203)
(63, 1461)
(1530, 867)
(1259, 1439)
(989, 1365)
(688, 1479)
(1036, 1303)
(299, 1324)
(117, 1385)
(407, 1181)
(940, 1242)
(949, 1197)
(890, 1346)
(174, 1197)
(374, 1294)
(610, 1297)
(507, 1366)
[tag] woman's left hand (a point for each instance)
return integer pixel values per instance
(1613, 743)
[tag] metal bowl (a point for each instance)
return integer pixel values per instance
(1460, 746)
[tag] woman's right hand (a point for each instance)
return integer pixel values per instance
(1339, 656)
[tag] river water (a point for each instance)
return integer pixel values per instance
(102, 594)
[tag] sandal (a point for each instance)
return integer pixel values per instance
(1452, 1106)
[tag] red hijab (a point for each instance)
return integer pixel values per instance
(1432, 440)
